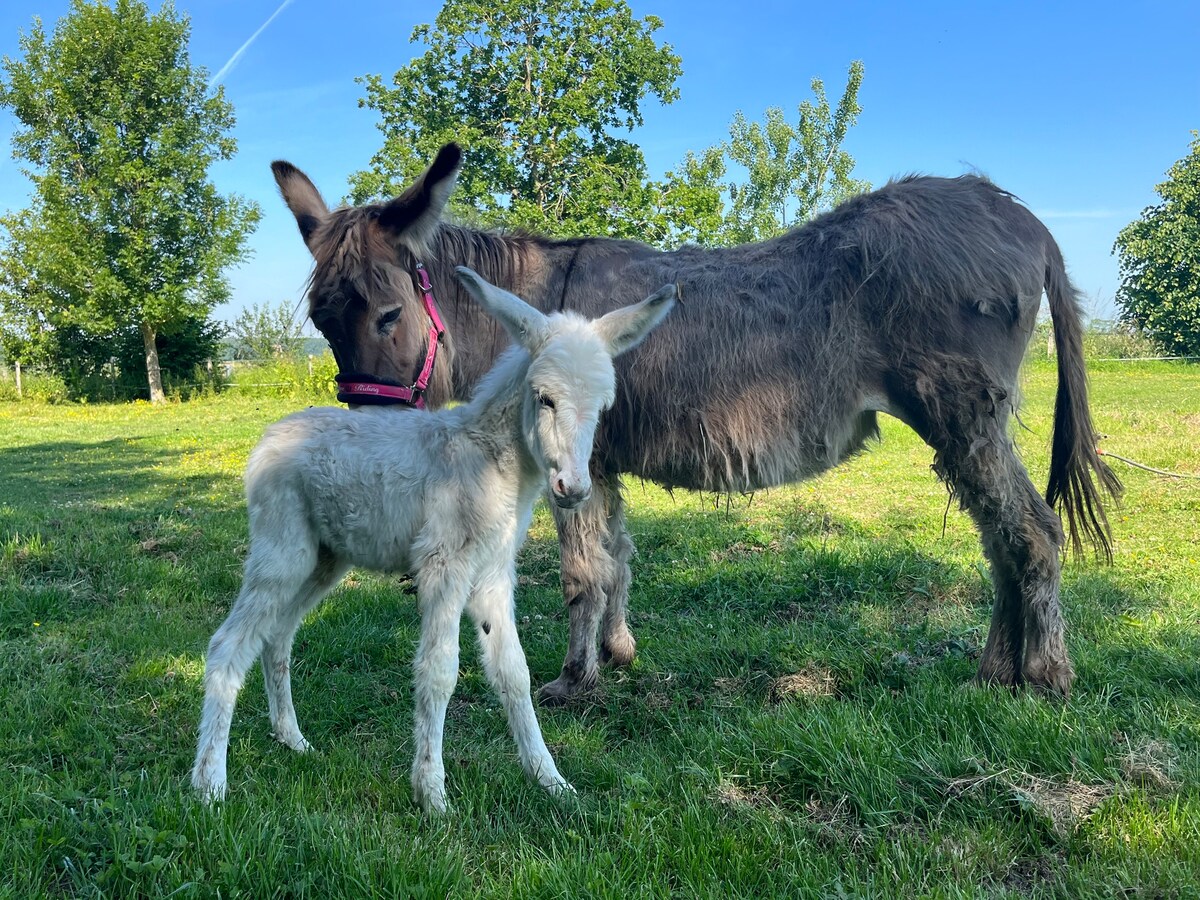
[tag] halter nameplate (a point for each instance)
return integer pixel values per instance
(363, 390)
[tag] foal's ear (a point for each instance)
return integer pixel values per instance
(302, 198)
(526, 325)
(414, 215)
(624, 328)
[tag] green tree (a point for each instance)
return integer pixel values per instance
(792, 172)
(263, 332)
(539, 92)
(111, 366)
(1160, 261)
(119, 131)
(26, 334)
(691, 201)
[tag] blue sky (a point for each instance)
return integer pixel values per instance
(1078, 108)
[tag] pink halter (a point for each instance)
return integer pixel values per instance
(359, 390)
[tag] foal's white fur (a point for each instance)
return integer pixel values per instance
(445, 495)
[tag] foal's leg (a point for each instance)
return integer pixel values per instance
(586, 569)
(271, 582)
(277, 649)
(617, 645)
(491, 608)
(441, 595)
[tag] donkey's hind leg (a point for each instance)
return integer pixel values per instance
(277, 649)
(272, 581)
(965, 422)
(586, 570)
(1022, 539)
(491, 608)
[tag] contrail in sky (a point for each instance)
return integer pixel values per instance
(241, 51)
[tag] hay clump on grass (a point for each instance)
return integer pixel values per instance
(814, 681)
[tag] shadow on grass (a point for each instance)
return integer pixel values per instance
(130, 472)
(88, 529)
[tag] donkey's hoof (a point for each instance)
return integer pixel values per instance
(1047, 678)
(618, 650)
(431, 798)
(564, 689)
(997, 668)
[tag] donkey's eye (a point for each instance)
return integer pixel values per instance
(388, 319)
(545, 401)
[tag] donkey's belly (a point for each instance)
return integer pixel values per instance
(712, 461)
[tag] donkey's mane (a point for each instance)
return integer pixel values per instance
(345, 245)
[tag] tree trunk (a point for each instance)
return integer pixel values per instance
(153, 373)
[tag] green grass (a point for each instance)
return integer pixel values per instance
(797, 723)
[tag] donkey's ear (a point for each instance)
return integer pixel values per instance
(302, 198)
(622, 329)
(415, 214)
(526, 325)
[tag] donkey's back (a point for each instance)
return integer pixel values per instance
(784, 351)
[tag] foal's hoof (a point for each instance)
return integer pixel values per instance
(208, 792)
(998, 668)
(295, 741)
(562, 790)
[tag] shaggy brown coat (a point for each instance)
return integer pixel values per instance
(917, 299)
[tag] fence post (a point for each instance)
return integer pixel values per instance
(310, 359)
(1050, 341)
(17, 371)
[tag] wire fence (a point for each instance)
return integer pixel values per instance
(311, 375)
(305, 376)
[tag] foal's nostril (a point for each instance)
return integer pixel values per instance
(560, 487)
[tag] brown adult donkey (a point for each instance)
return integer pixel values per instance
(916, 300)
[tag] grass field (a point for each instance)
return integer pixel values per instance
(797, 723)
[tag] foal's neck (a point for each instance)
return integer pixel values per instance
(493, 414)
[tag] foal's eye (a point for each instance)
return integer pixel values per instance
(545, 401)
(388, 319)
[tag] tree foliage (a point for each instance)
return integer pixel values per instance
(111, 366)
(1160, 261)
(265, 332)
(540, 92)
(792, 172)
(119, 131)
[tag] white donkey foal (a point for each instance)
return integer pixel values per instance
(446, 496)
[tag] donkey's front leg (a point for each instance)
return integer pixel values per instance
(617, 645)
(491, 608)
(435, 670)
(586, 569)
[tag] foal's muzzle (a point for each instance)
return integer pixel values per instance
(567, 496)
(570, 501)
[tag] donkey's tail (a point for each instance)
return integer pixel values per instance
(1074, 456)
